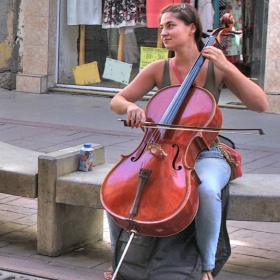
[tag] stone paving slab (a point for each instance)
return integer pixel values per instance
(255, 246)
(255, 251)
(12, 275)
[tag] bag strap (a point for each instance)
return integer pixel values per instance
(179, 77)
(227, 139)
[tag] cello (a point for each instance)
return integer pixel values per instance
(142, 199)
(153, 190)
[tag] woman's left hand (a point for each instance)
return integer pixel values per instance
(246, 90)
(217, 57)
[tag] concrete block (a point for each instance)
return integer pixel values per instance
(31, 83)
(255, 197)
(18, 171)
(274, 103)
(60, 227)
(82, 188)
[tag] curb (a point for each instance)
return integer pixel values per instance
(112, 94)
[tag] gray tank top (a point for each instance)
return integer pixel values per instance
(209, 85)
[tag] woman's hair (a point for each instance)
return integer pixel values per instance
(188, 14)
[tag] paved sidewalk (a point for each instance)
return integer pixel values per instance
(49, 122)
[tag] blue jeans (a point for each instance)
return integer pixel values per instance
(214, 173)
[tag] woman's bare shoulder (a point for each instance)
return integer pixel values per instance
(156, 69)
(156, 65)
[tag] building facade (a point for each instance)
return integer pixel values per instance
(58, 43)
(10, 51)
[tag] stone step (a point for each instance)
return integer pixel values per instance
(253, 197)
(18, 171)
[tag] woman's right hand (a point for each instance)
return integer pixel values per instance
(136, 116)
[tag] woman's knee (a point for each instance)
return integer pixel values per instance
(208, 191)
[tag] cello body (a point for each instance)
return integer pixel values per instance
(153, 190)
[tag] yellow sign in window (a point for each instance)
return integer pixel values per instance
(149, 55)
(86, 74)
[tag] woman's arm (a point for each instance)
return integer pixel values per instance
(246, 90)
(124, 101)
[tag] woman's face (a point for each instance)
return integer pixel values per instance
(175, 33)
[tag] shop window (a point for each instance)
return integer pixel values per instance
(90, 35)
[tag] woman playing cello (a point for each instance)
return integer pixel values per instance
(181, 33)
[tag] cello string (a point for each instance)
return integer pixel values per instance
(172, 110)
(178, 99)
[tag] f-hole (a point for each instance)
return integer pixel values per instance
(176, 157)
(133, 159)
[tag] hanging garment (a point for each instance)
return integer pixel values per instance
(84, 12)
(247, 28)
(234, 46)
(235, 8)
(206, 14)
(131, 51)
(154, 8)
(222, 7)
(216, 16)
(121, 13)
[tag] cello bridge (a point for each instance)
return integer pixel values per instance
(155, 148)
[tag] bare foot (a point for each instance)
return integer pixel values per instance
(206, 275)
(109, 273)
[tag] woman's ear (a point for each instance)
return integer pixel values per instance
(193, 29)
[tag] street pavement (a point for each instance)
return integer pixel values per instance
(54, 121)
